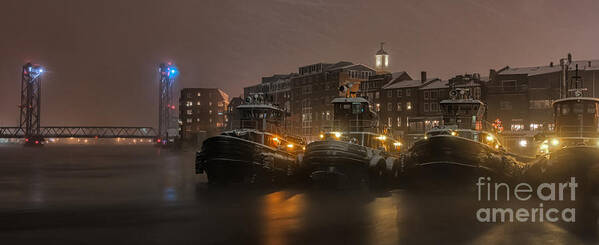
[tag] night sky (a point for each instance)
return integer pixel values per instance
(102, 55)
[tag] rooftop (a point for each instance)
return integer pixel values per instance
(348, 100)
(539, 70)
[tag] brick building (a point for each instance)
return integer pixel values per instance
(277, 89)
(313, 89)
(202, 112)
(232, 114)
(521, 97)
(406, 107)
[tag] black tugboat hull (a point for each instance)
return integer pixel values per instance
(581, 162)
(227, 159)
(337, 164)
(448, 161)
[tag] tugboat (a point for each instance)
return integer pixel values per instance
(351, 154)
(573, 151)
(461, 149)
(256, 152)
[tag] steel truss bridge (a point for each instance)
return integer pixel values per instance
(82, 132)
(30, 108)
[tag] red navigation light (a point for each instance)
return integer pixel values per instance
(37, 142)
(158, 140)
(26, 140)
(173, 107)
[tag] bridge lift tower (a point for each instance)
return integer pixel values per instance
(166, 105)
(31, 92)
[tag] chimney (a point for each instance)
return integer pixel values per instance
(423, 76)
(551, 64)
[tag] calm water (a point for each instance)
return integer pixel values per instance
(147, 195)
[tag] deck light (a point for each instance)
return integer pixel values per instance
(489, 137)
(290, 146)
(523, 143)
(337, 134)
(554, 142)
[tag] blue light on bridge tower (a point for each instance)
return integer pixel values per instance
(168, 73)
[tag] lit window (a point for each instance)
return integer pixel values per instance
(210, 103)
(389, 107)
(409, 105)
(398, 122)
(188, 103)
(199, 94)
(517, 127)
(378, 107)
(198, 103)
(189, 112)
(188, 120)
(198, 119)
(398, 106)
(210, 112)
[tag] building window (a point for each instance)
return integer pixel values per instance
(189, 112)
(377, 95)
(539, 104)
(188, 103)
(389, 94)
(199, 94)
(426, 107)
(398, 122)
(433, 95)
(398, 105)
(426, 95)
(198, 103)
(198, 119)
(517, 127)
(408, 105)
(389, 106)
(210, 112)
(188, 120)
(378, 107)
(408, 92)
(399, 93)
(435, 107)
(210, 103)
(505, 105)
(535, 126)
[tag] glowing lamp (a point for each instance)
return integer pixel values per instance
(523, 143)
(555, 142)
(290, 146)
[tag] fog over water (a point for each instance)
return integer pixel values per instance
(143, 194)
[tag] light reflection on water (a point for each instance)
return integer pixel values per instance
(282, 213)
(148, 178)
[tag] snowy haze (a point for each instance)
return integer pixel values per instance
(102, 56)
